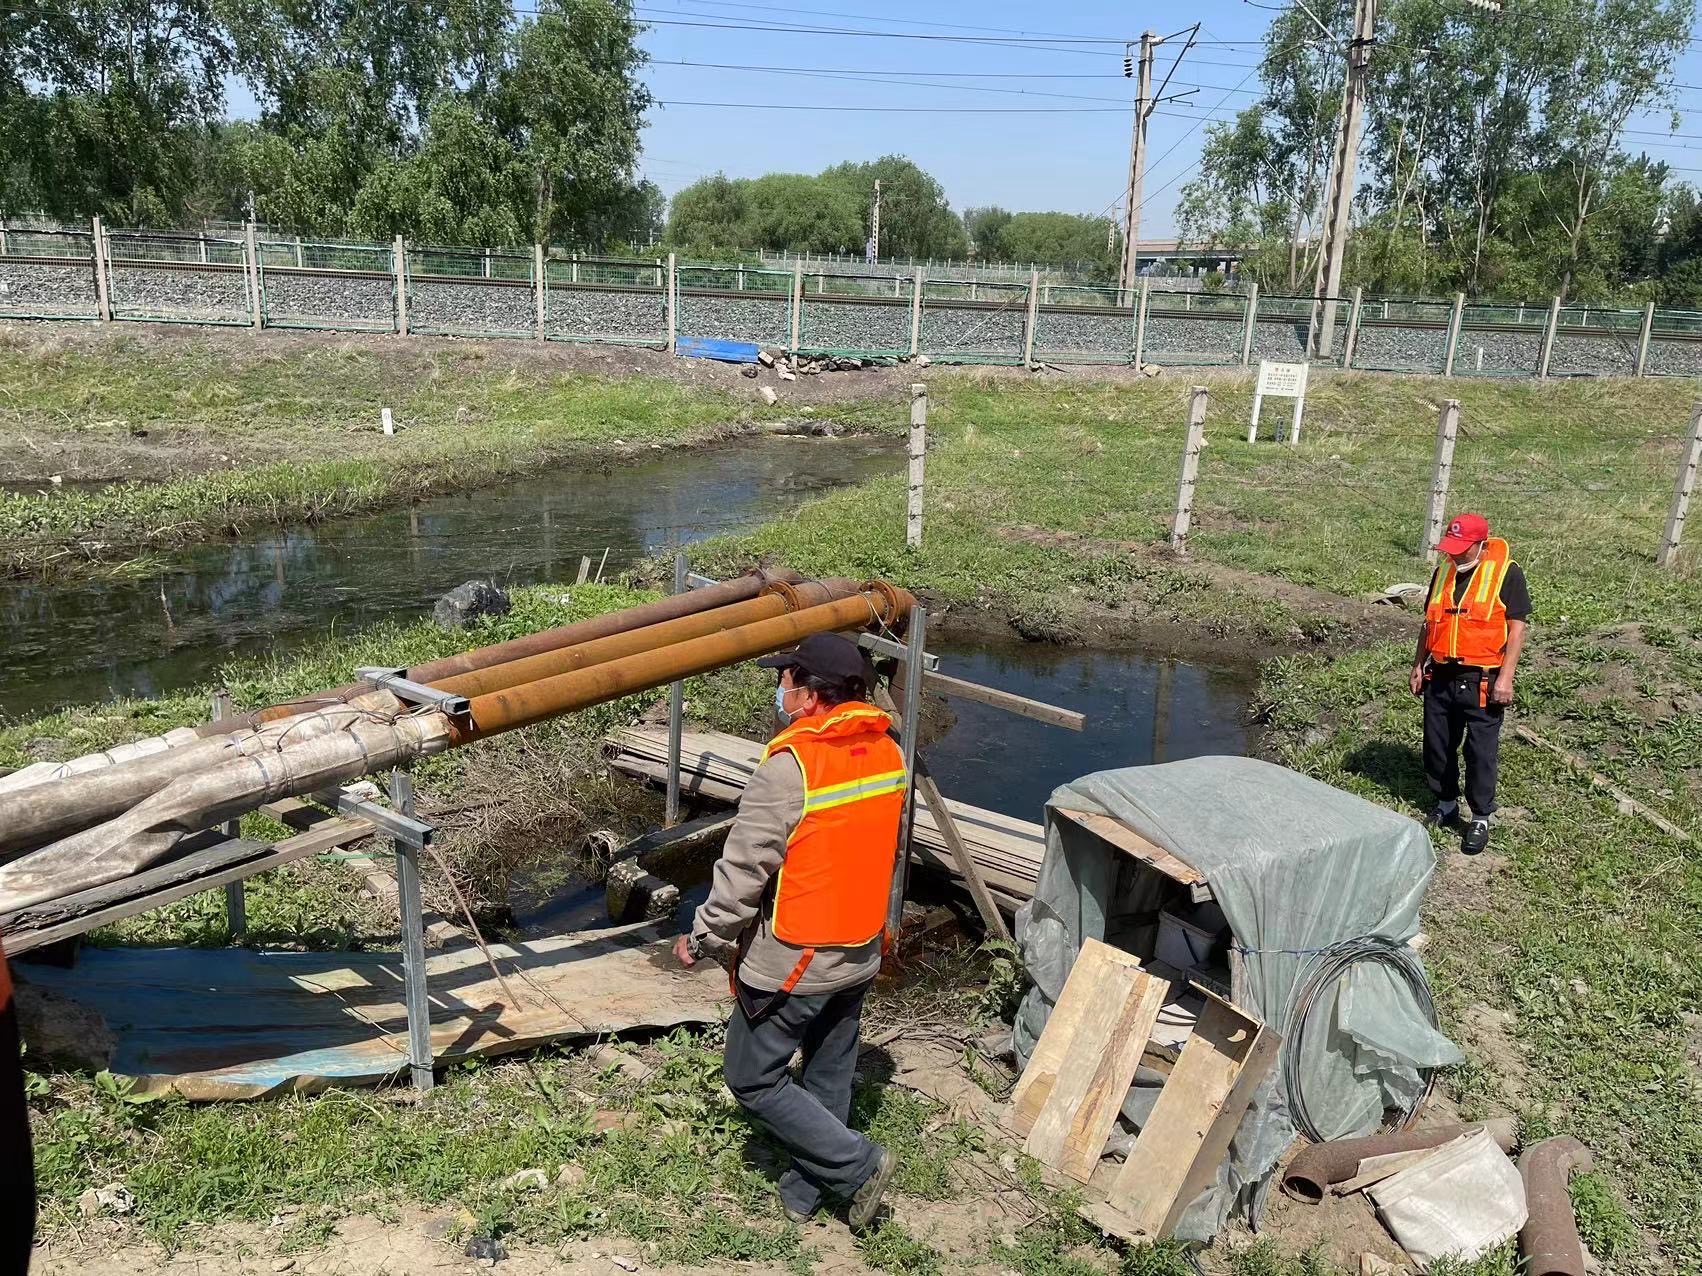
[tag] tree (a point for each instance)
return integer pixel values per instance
(916, 220)
(985, 228)
(1056, 239)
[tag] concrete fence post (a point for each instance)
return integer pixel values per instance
(797, 303)
(103, 297)
(918, 460)
(1190, 469)
(916, 315)
(1682, 491)
(673, 302)
(1643, 339)
(251, 256)
(399, 269)
(1455, 317)
(540, 289)
(298, 257)
(1140, 325)
(1352, 338)
(1548, 332)
(1447, 429)
(1033, 318)
(1249, 317)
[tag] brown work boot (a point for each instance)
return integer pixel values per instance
(866, 1200)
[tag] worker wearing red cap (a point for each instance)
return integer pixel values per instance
(1474, 628)
(798, 911)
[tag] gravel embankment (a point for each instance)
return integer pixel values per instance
(330, 301)
(1095, 337)
(827, 325)
(208, 296)
(472, 309)
(52, 291)
(1181, 341)
(951, 330)
(610, 316)
(764, 320)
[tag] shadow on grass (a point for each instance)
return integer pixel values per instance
(1397, 769)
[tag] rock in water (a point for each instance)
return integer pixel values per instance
(465, 603)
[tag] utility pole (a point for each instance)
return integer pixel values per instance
(875, 226)
(1339, 201)
(1137, 163)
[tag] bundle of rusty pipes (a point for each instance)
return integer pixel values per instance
(71, 826)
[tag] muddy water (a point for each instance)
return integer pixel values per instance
(67, 644)
(1140, 708)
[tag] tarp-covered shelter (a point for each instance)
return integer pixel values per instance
(1275, 867)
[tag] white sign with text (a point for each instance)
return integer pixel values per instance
(1281, 381)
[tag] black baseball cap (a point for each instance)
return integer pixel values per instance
(826, 656)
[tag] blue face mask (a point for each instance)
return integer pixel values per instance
(780, 705)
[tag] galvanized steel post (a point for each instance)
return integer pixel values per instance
(1248, 319)
(1190, 469)
(103, 298)
(1548, 338)
(236, 905)
(1441, 472)
(416, 995)
(399, 272)
(1352, 338)
(918, 459)
(1454, 318)
(539, 288)
(676, 712)
(1682, 491)
(1643, 338)
(1032, 319)
(251, 262)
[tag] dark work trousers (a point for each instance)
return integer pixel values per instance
(1452, 713)
(808, 1113)
(17, 1175)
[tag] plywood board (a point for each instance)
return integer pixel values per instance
(1077, 1006)
(1132, 843)
(1070, 1132)
(1197, 1113)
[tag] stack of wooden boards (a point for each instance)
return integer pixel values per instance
(1067, 1101)
(1008, 851)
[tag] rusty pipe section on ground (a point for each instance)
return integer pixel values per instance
(877, 603)
(1549, 1239)
(1311, 1173)
(775, 600)
(737, 590)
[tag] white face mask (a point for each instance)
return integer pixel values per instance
(780, 705)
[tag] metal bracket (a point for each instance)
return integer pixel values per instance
(404, 828)
(413, 692)
(887, 647)
(694, 581)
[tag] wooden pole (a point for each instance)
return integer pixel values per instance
(916, 316)
(1352, 338)
(1682, 491)
(1031, 319)
(416, 994)
(252, 254)
(1548, 338)
(1339, 202)
(967, 868)
(676, 713)
(540, 288)
(1249, 318)
(103, 297)
(1455, 317)
(1441, 473)
(1190, 469)
(1643, 338)
(673, 303)
(918, 458)
(399, 269)
(1140, 326)
(797, 303)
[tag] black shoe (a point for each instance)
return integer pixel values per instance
(1475, 838)
(1445, 814)
(866, 1200)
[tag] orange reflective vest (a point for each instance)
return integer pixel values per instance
(1474, 630)
(836, 881)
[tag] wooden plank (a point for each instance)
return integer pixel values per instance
(322, 838)
(1070, 1132)
(1601, 781)
(965, 862)
(1197, 1113)
(1075, 1007)
(1022, 706)
(1127, 840)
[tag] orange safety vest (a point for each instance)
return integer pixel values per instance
(835, 883)
(1474, 630)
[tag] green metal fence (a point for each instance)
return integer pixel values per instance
(49, 274)
(166, 277)
(338, 287)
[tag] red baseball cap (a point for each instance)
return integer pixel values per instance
(1465, 531)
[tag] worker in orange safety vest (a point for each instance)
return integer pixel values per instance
(1468, 650)
(798, 910)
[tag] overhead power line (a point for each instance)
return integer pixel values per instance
(960, 75)
(924, 110)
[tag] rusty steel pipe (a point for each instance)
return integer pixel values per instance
(774, 601)
(1549, 1239)
(877, 603)
(1311, 1173)
(739, 589)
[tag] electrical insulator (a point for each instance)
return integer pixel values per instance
(1128, 67)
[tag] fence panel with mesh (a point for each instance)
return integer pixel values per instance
(1499, 341)
(166, 277)
(612, 299)
(49, 274)
(1193, 328)
(471, 292)
(336, 287)
(1675, 344)
(1084, 325)
(1596, 342)
(856, 315)
(1402, 336)
(735, 303)
(1283, 324)
(988, 329)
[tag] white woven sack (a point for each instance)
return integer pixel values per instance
(1460, 1203)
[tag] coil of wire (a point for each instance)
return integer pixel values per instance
(1321, 971)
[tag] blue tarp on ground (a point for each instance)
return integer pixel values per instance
(714, 348)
